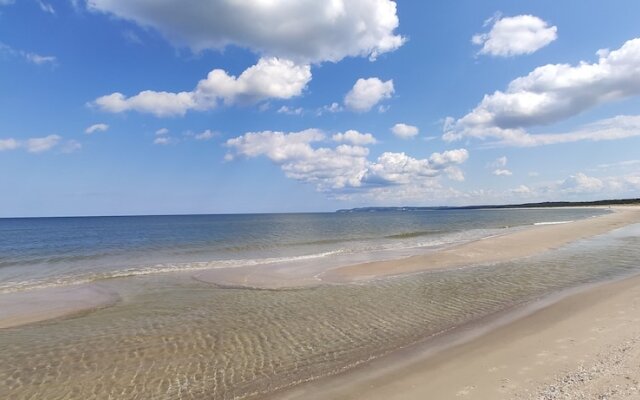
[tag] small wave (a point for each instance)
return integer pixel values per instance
(13, 286)
(552, 222)
(408, 235)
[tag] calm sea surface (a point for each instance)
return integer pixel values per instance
(171, 337)
(42, 252)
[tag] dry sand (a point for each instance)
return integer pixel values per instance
(585, 346)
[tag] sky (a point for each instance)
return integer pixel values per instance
(114, 107)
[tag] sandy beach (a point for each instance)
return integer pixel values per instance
(564, 341)
(584, 346)
(512, 245)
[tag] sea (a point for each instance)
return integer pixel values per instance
(170, 336)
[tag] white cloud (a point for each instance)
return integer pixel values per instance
(511, 36)
(521, 190)
(355, 138)
(71, 146)
(8, 144)
(162, 140)
(40, 145)
(206, 135)
(502, 172)
(366, 93)
(552, 93)
(162, 132)
(581, 183)
(96, 128)
(303, 30)
(499, 165)
(620, 164)
(580, 186)
(46, 7)
(346, 167)
(331, 108)
(500, 162)
(33, 58)
(290, 111)
(39, 59)
(405, 131)
(269, 78)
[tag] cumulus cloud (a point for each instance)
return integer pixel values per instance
(205, 135)
(498, 167)
(366, 93)
(162, 132)
(345, 167)
(162, 140)
(305, 30)
(269, 78)
(581, 183)
(354, 137)
(96, 128)
(511, 36)
(290, 111)
(40, 145)
(331, 108)
(502, 172)
(405, 131)
(8, 144)
(552, 93)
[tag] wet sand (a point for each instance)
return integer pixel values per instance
(32, 306)
(514, 245)
(586, 345)
(43, 304)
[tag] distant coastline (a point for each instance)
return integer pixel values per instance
(546, 204)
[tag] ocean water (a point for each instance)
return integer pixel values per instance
(177, 338)
(44, 252)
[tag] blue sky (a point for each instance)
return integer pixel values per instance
(143, 107)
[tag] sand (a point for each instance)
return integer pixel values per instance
(511, 246)
(32, 306)
(584, 346)
(523, 242)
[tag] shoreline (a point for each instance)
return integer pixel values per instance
(552, 344)
(523, 243)
(23, 308)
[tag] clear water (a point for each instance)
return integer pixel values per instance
(41, 252)
(177, 338)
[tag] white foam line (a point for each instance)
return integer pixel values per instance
(552, 223)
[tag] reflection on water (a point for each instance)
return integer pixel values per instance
(190, 340)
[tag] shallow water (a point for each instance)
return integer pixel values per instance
(175, 338)
(49, 252)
